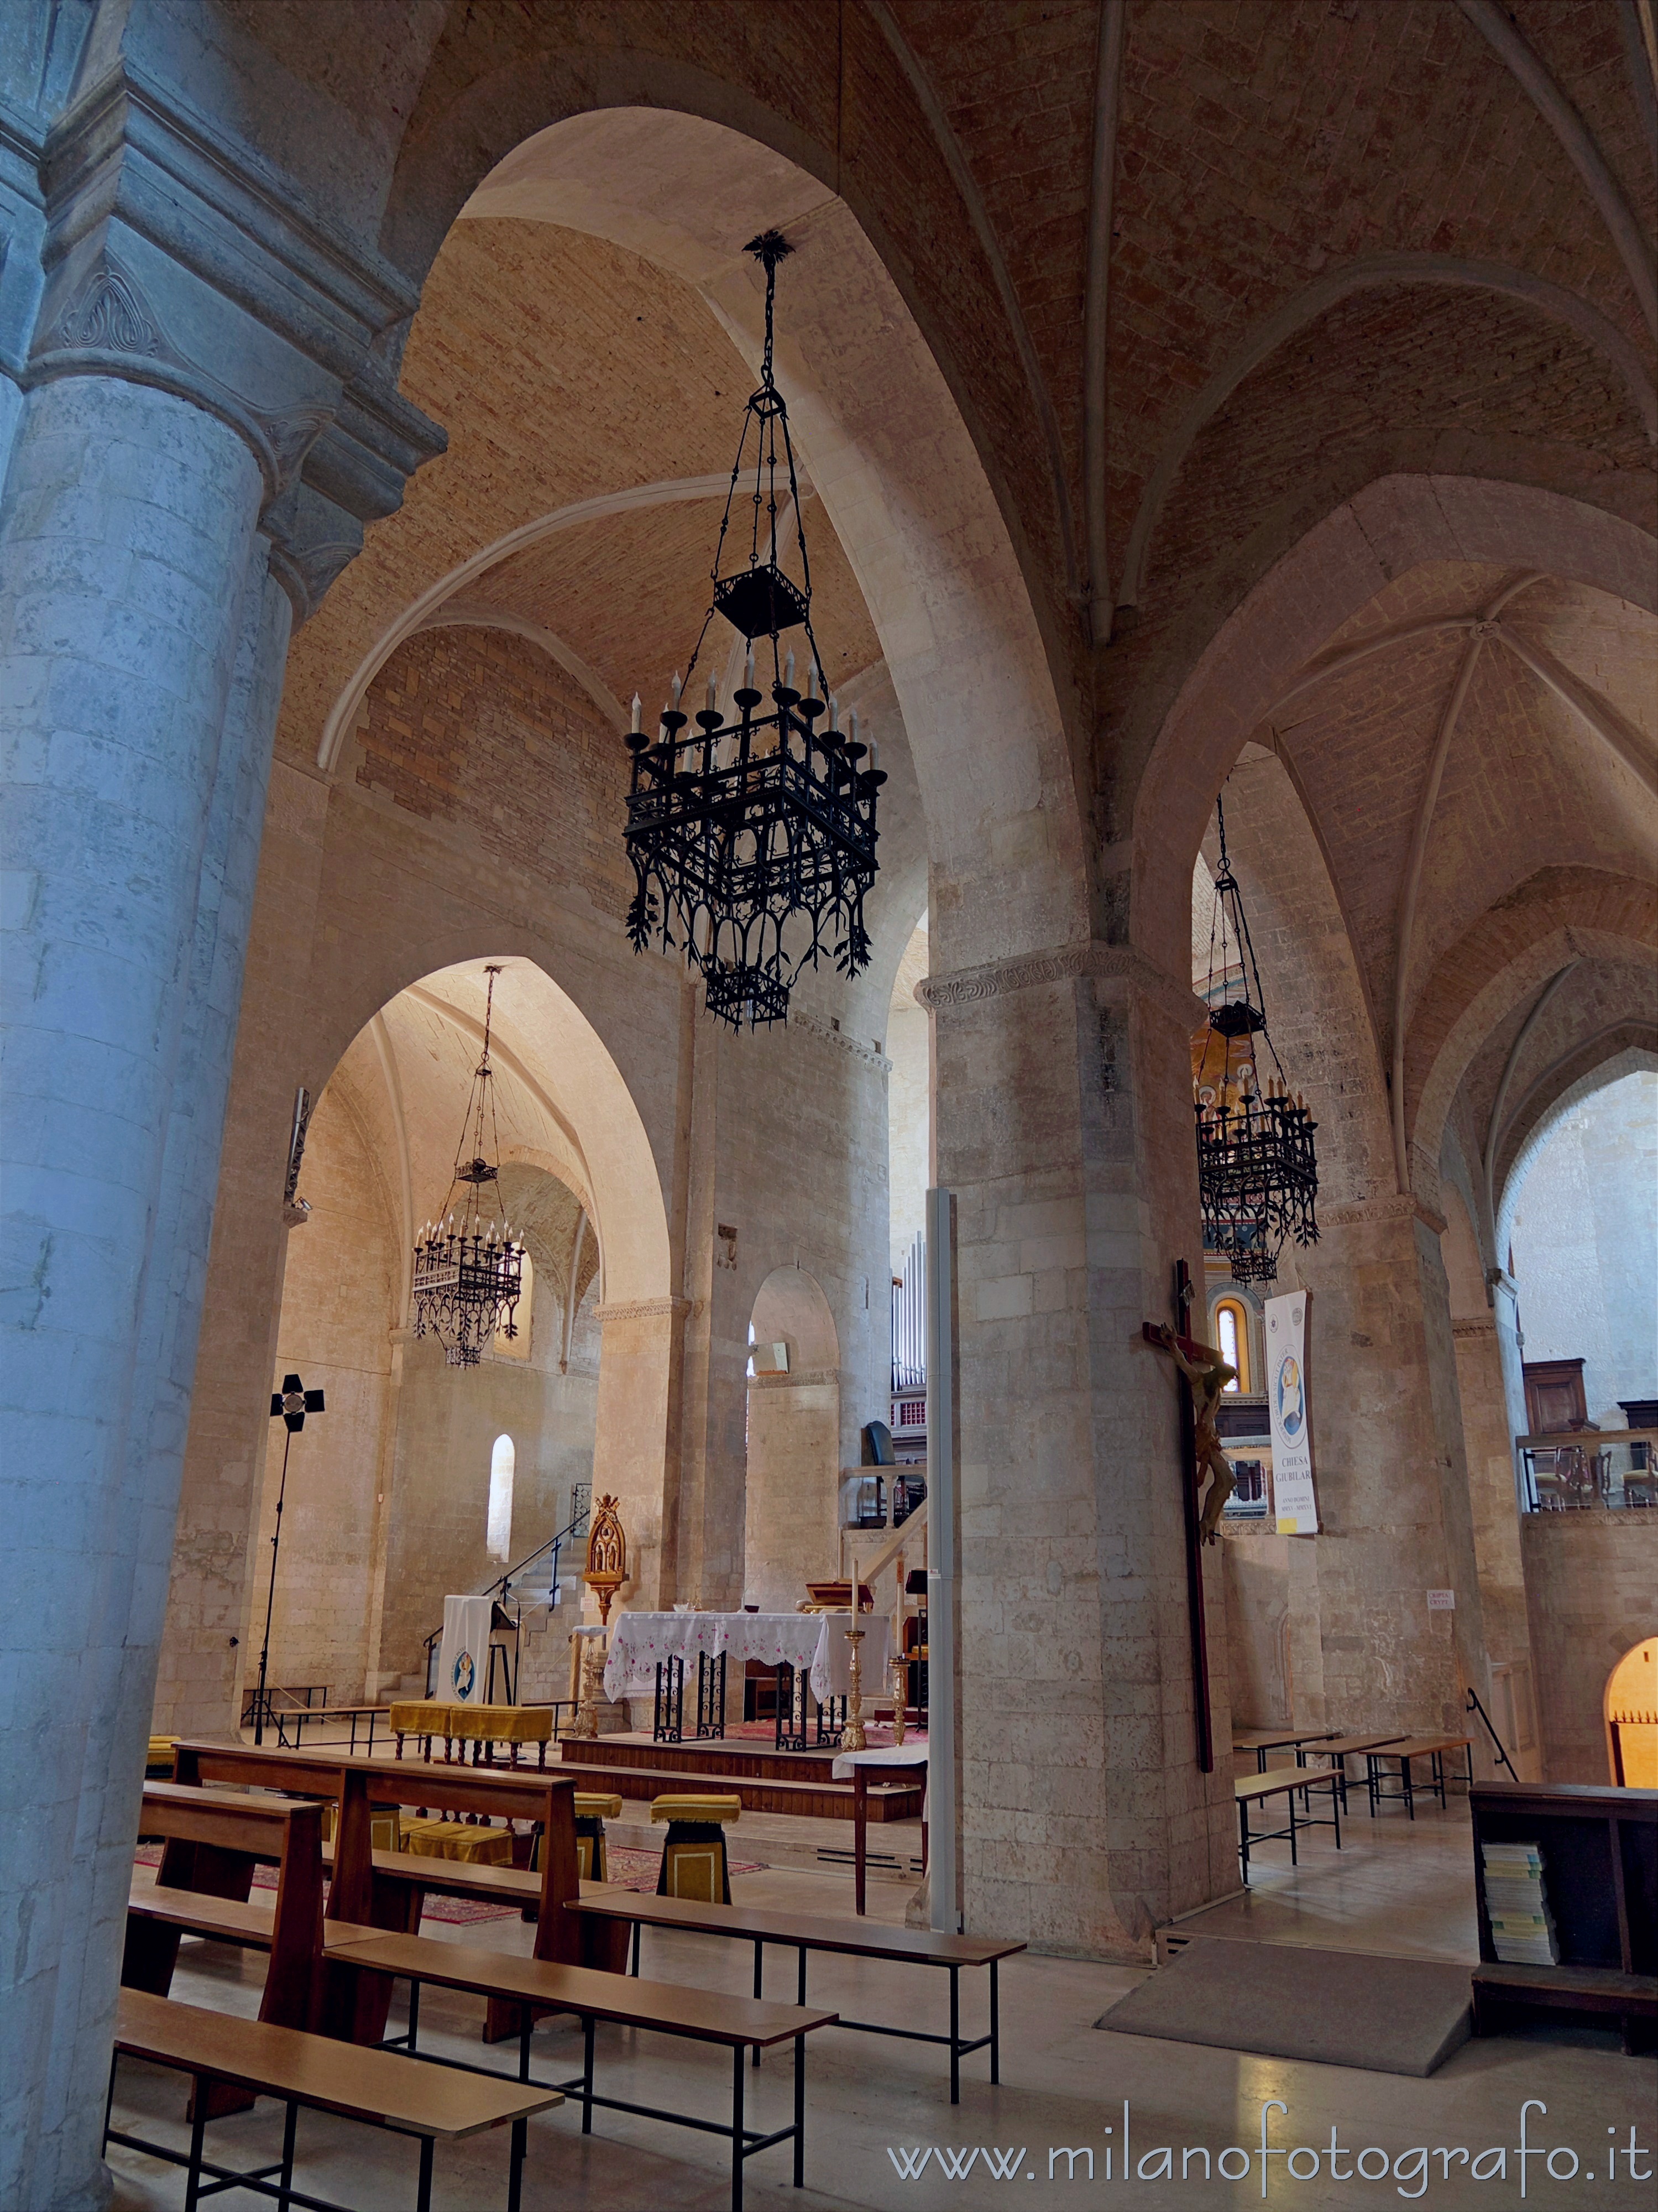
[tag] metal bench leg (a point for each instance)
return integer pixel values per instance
(193, 2181)
(588, 2074)
(524, 2034)
(799, 2112)
(955, 2035)
(1335, 1814)
(1410, 1794)
(1243, 1840)
(738, 2071)
(995, 2027)
(423, 2193)
(638, 1929)
(284, 2194)
(515, 2171)
(759, 1974)
(800, 1979)
(414, 2017)
(109, 2099)
(1289, 1796)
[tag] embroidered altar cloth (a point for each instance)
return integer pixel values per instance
(639, 1641)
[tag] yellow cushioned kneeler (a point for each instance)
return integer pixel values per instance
(694, 1854)
(592, 1809)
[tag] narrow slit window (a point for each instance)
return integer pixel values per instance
(1232, 1341)
(498, 1528)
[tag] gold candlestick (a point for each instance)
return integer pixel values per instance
(900, 1685)
(851, 1736)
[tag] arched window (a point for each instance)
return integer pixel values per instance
(498, 1529)
(1232, 1339)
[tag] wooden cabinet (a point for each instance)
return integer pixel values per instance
(1600, 1852)
(1554, 1396)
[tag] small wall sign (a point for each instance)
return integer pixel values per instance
(1442, 1601)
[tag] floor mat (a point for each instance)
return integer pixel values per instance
(1288, 2000)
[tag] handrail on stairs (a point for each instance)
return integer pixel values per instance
(500, 1589)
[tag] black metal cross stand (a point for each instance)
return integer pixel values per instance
(292, 1402)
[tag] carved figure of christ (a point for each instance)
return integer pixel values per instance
(1208, 1375)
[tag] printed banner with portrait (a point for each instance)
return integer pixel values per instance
(1289, 1413)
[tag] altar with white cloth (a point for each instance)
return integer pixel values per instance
(648, 1649)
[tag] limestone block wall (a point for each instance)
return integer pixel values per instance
(1591, 1592)
(793, 1481)
(1256, 1564)
(338, 1289)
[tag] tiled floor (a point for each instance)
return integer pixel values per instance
(876, 2105)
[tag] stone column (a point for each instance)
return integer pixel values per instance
(1064, 1126)
(124, 539)
(163, 421)
(1392, 1475)
(636, 1442)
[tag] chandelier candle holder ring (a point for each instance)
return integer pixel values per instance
(469, 1267)
(1257, 1166)
(752, 830)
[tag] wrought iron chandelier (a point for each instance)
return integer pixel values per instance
(1257, 1171)
(752, 835)
(469, 1270)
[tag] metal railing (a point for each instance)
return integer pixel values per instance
(503, 1593)
(1588, 1470)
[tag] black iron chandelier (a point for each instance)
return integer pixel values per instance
(469, 1270)
(1257, 1172)
(752, 835)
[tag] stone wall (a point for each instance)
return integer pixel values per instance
(1585, 1244)
(1591, 1591)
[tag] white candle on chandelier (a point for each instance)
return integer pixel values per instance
(788, 669)
(835, 712)
(714, 691)
(853, 725)
(676, 687)
(811, 679)
(748, 671)
(635, 720)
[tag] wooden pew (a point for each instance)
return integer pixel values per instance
(246, 2058)
(212, 1841)
(384, 1889)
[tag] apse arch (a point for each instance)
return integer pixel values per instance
(1266, 649)
(546, 1041)
(888, 447)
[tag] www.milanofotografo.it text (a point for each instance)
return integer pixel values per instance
(1519, 2165)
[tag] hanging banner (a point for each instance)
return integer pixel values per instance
(1289, 1413)
(463, 1660)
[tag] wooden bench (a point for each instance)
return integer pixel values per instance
(533, 1987)
(212, 1840)
(385, 1889)
(1261, 1741)
(258, 2058)
(1404, 1750)
(1289, 1782)
(914, 1947)
(1340, 1748)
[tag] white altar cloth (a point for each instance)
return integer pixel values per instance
(639, 1641)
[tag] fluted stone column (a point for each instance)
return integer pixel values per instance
(1064, 1126)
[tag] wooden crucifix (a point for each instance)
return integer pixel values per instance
(1203, 1374)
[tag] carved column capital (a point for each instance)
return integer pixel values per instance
(172, 255)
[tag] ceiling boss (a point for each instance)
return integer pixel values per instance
(752, 834)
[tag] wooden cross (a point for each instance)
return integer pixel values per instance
(1197, 1354)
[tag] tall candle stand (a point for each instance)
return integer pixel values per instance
(900, 1686)
(851, 1736)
